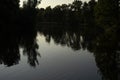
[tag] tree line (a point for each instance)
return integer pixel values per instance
(102, 12)
(77, 12)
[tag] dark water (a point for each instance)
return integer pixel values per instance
(58, 54)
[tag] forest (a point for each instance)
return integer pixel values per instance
(102, 13)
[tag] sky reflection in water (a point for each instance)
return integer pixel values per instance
(56, 63)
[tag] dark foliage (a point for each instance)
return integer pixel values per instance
(87, 25)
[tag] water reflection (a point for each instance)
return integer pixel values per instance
(105, 47)
(64, 38)
(10, 45)
(30, 46)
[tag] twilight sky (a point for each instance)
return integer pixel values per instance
(53, 3)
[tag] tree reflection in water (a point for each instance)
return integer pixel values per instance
(17, 29)
(9, 48)
(104, 46)
(29, 45)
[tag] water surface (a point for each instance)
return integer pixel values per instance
(55, 62)
(59, 54)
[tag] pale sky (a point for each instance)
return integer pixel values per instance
(52, 3)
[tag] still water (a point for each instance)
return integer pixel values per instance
(54, 62)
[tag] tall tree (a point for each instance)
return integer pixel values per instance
(8, 14)
(107, 13)
(31, 3)
(8, 9)
(85, 13)
(92, 4)
(77, 5)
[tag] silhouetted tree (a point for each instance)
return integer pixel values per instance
(8, 14)
(107, 13)
(76, 5)
(17, 24)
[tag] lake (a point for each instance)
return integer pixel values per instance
(57, 55)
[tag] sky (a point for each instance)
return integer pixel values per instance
(52, 3)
